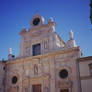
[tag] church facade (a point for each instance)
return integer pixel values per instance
(45, 63)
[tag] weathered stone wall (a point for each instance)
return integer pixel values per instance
(44, 70)
(2, 76)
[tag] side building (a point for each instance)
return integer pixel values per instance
(85, 67)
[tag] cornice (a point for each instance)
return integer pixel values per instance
(83, 59)
(34, 29)
(86, 77)
(14, 61)
(39, 27)
(39, 57)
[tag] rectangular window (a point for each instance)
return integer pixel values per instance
(36, 49)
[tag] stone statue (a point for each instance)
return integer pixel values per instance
(71, 35)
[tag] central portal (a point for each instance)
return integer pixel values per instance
(37, 88)
(64, 90)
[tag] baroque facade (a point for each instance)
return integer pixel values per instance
(45, 63)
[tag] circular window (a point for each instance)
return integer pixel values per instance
(63, 74)
(14, 80)
(36, 21)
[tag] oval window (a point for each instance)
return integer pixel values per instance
(14, 80)
(36, 21)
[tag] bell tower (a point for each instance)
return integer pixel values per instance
(37, 20)
(40, 38)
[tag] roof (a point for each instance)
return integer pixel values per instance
(85, 58)
(60, 38)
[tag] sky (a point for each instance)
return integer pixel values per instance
(67, 14)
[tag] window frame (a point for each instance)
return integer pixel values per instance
(36, 49)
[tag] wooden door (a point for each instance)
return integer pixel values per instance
(64, 90)
(36, 88)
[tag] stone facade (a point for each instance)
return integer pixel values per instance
(45, 63)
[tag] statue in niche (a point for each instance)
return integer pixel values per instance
(45, 44)
(35, 69)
